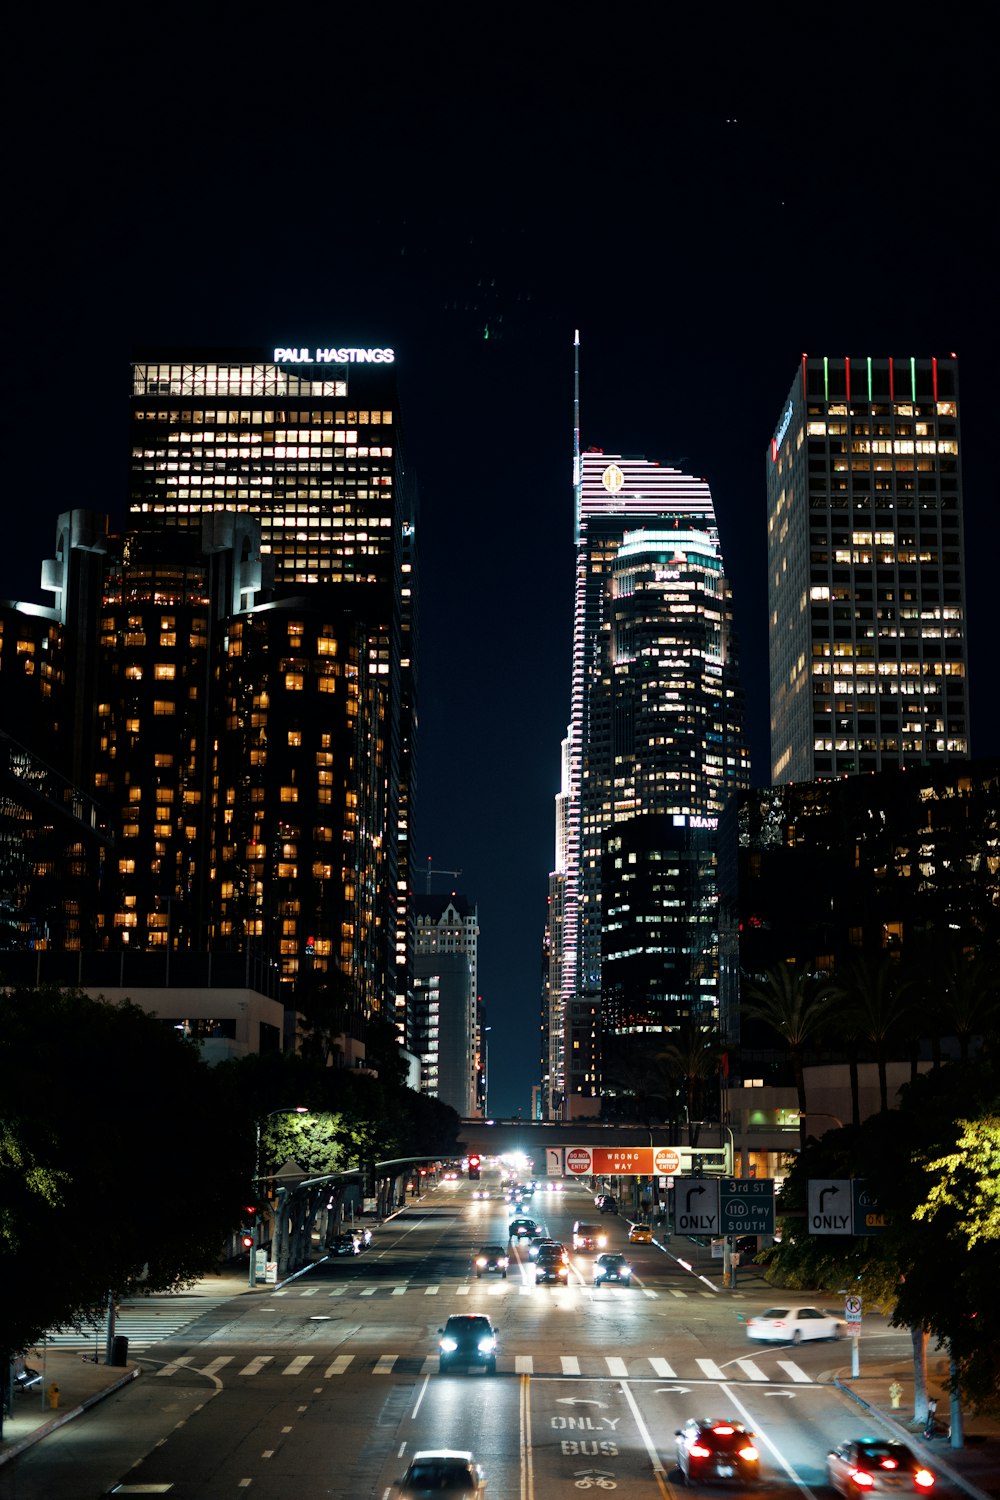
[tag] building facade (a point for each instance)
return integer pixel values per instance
(655, 734)
(447, 1021)
(866, 581)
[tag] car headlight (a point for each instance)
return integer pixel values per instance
(449, 1345)
(480, 1261)
(602, 1239)
(486, 1346)
(503, 1262)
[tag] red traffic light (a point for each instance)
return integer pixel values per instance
(247, 1238)
(473, 1161)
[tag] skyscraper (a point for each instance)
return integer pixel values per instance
(446, 977)
(866, 583)
(307, 441)
(653, 751)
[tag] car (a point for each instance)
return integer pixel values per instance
(363, 1235)
(345, 1244)
(552, 1264)
(877, 1466)
(612, 1267)
(491, 1258)
(522, 1229)
(450, 1177)
(640, 1234)
(536, 1241)
(482, 1193)
(606, 1203)
(442, 1471)
(717, 1449)
(794, 1325)
(589, 1237)
(467, 1339)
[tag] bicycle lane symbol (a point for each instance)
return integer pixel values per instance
(595, 1479)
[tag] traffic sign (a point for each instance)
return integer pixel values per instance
(869, 1215)
(746, 1205)
(666, 1161)
(830, 1206)
(696, 1205)
(578, 1161)
(852, 1309)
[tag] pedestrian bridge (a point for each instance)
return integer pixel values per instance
(532, 1138)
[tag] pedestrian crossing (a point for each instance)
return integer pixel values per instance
(498, 1289)
(142, 1323)
(585, 1366)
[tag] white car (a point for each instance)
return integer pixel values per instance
(442, 1471)
(794, 1325)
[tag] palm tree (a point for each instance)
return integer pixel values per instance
(797, 1006)
(968, 992)
(692, 1057)
(875, 1007)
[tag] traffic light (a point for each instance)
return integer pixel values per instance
(247, 1238)
(473, 1168)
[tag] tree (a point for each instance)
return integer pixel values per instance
(693, 1057)
(797, 1006)
(874, 999)
(121, 1164)
(968, 1182)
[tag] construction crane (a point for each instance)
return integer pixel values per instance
(431, 871)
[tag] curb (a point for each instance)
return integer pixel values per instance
(952, 1475)
(11, 1450)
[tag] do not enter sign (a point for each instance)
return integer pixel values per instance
(578, 1160)
(666, 1162)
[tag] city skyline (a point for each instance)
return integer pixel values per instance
(721, 254)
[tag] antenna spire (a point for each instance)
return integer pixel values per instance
(577, 476)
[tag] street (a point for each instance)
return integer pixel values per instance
(326, 1386)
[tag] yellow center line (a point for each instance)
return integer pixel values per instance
(527, 1456)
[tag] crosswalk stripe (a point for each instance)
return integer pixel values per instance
(369, 1291)
(710, 1368)
(385, 1364)
(616, 1367)
(646, 1292)
(297, 1365)
(796, 1374)
(749, 1368)
(675, 1293)
(310, 1291)
(661, 1368)
(570, 1364)
(256, 1365)
(523, 1364)
(339, 1365)
(175, 1365)
(338, 1291)
(463, 1291)
(431, 1291)
(215, 1365)
(398, 1291)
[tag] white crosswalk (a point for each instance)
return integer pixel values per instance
(587, 1366)
(143, 1323)
(489, 1289)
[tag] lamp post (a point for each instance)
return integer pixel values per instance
(296, 1109)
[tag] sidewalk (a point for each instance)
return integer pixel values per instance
(975, 1467)
(79, 1382)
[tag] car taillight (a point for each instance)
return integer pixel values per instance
(861, 1479)
(924, 1478)
(749, 1453)
(697, 1451)
(723, 1430)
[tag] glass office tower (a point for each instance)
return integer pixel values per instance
(655, 734)
(866, 579)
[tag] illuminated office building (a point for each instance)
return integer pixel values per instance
(446, 999)
(865, 569)
(306, 442)
(653, 752)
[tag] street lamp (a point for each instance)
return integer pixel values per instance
(296, 1109)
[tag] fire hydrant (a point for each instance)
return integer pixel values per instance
(895, 1392)
(53, 1394)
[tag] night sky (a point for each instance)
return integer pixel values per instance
(702, 211)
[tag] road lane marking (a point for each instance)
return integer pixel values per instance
(663, 1369)
(710, 1368)
(215, 1364)
(369, 1291)
(297, 1365)
(749, 1368)
(431, 1291)
(524, 1364)
(647, 1293)
(616, 1367)
(527, 1454)
(256, 1365)
(385, 1364)
(570, 1364)
(762, 1437)
(796, 1374)
(339, 1365)
(650, 1446)
(176, 1364)
(463, 1291)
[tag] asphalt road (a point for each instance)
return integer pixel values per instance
(323, 1388)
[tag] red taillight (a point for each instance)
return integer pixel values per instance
(697, 1451)
(923, 1478)
(750, 1454)
(889, 1463)
(861, 1479)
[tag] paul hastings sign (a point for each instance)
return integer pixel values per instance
(338, 356)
